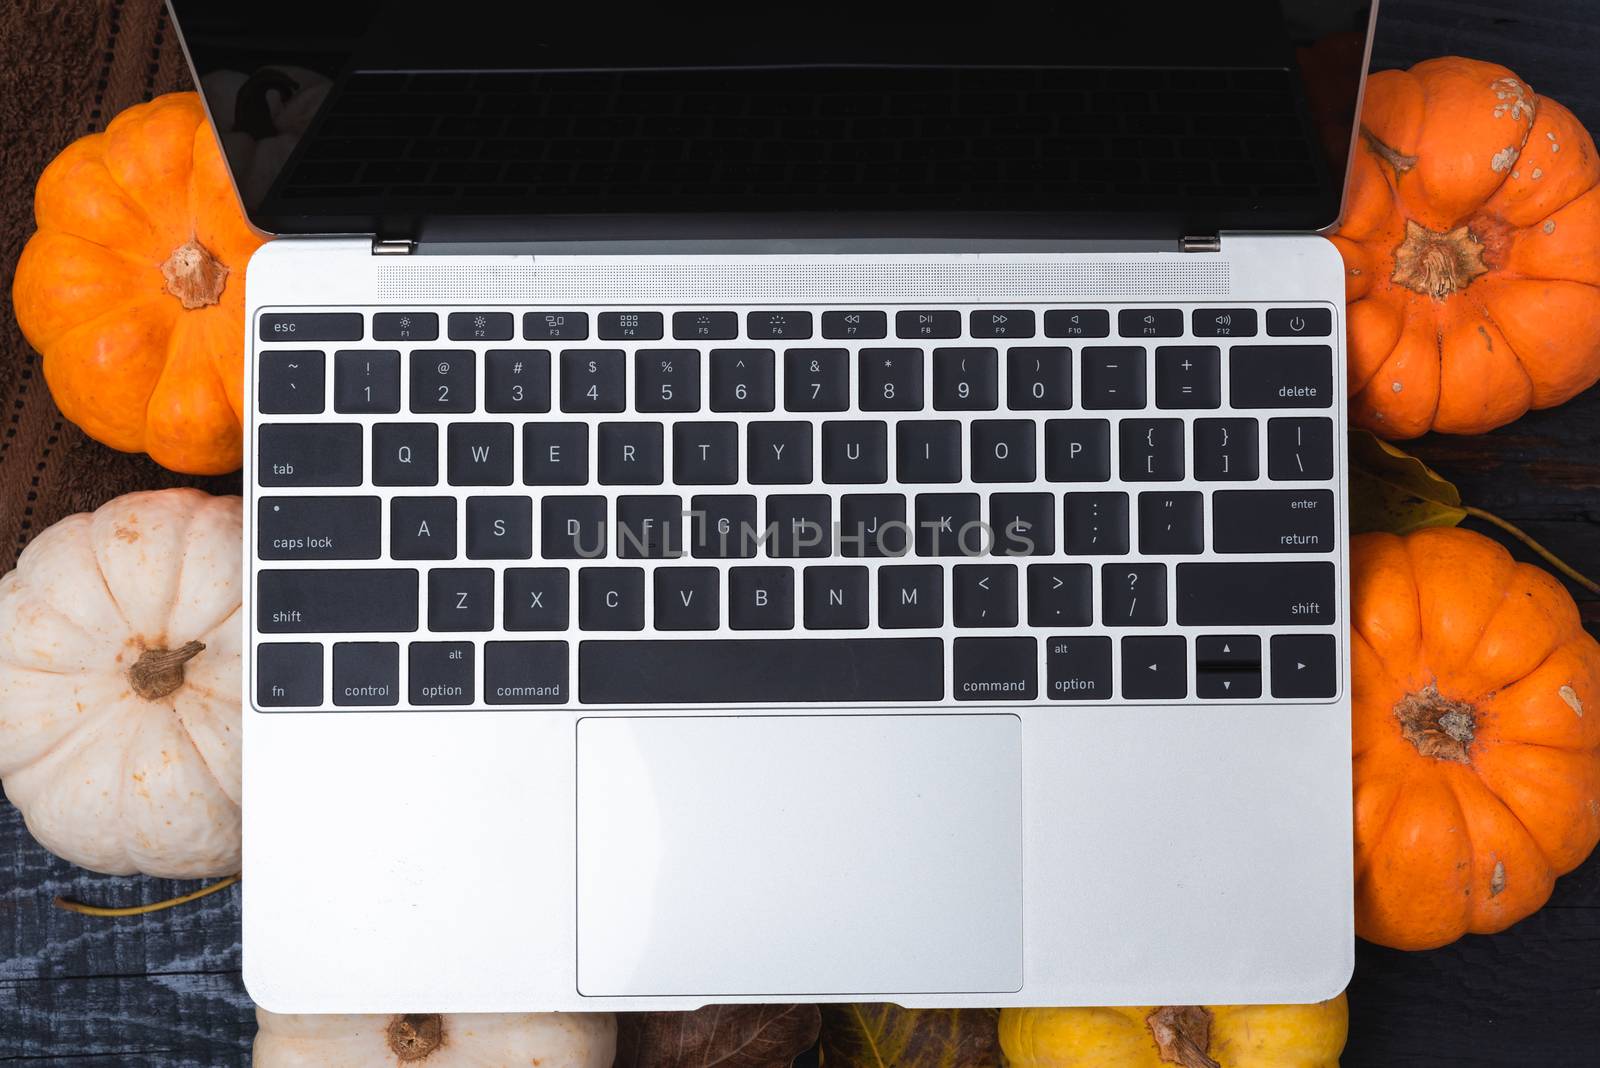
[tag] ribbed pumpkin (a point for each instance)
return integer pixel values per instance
(1471, 243)
(1190, 1036)
(119, 685)
(1476, 736)
(133, 287)
(436, 1040)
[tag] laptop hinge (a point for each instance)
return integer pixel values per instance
(1200, 243)
(392, 246)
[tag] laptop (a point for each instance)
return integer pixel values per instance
(838, 506)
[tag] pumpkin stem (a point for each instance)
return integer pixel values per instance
(1435, 263)
(158, 672)
(1438, 726)
(414, 1035)
(1182, 1034)
(1400, 163)
(194, 275)
(69, 905)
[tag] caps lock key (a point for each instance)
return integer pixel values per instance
(318, 528)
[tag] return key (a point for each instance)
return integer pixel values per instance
(1272, 521)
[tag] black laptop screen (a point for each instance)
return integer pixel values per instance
(474, 119)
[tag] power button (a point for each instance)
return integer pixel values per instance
(1299, 322)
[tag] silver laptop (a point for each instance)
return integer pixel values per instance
(823, 507)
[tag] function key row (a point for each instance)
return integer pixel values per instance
(1037, 378)
(781, 324)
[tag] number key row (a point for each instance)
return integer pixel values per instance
(1038, 378)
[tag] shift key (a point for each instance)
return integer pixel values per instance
(353, 600)
(1261, 593)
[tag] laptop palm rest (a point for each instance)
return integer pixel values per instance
(770, 855)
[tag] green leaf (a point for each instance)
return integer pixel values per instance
(717, 1036)
(887, 1036)
(1393, 491)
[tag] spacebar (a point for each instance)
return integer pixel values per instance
(766, 670)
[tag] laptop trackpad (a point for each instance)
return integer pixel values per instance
(771, 855)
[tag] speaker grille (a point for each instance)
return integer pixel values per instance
(802, 282)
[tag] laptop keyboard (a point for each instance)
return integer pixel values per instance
(659, 507)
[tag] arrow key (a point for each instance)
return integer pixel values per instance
(1224, 651)
(1227, 684)
(1304, 665)
(1227, 666)
(1155, 667)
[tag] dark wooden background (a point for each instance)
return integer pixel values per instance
(164, 990)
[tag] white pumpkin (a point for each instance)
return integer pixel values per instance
(119, 685)
(434, 1040)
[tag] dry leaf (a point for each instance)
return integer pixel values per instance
(887, 1036)
(717, 1036)
(1393, 491)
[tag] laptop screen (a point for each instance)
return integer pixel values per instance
(473, 120)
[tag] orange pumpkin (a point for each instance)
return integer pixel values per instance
(1471, 243)
(133, 287)
(1476, 736)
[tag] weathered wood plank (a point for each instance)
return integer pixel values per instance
(1526, 997)
(157, 989)
(196, 1019)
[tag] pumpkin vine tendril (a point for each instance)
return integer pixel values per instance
(79, 907)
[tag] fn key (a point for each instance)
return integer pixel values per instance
(289, 675)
